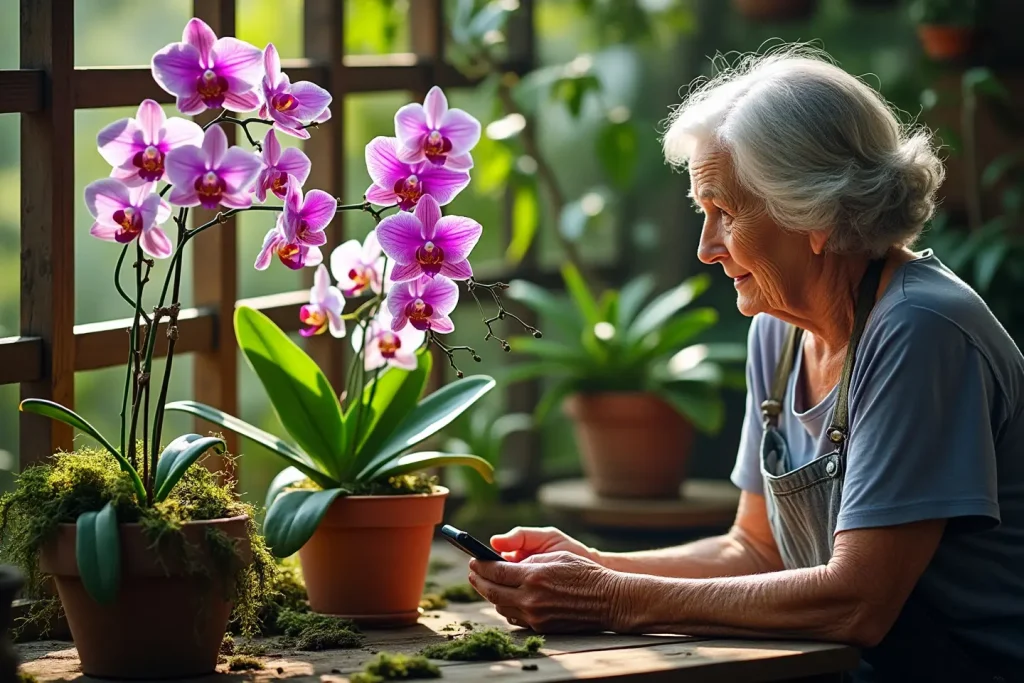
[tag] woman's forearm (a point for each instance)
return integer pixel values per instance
(728, 555)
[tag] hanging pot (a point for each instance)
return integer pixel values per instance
(775, 10)
(946, 43)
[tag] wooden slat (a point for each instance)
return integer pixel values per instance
(22, 359)
(324, 33)
(215, 276)
(47, 221)
(21, 90)
(102, 345)
(283, 308)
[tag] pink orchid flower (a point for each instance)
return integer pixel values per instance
(359, 267)
(291, 254)
(137, 148)
(123, 213)
(426, 243)
(305, 218)
(290, 105)
(207, 72)
(277, 166)
(397, 182)
(324, 308)
(426, 303)
(433, 132)
(212, 175)
(384, 346)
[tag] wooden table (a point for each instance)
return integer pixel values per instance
(607, 657)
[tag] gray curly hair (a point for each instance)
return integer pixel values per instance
(820, 147)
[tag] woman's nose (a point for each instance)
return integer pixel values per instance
(711, 248)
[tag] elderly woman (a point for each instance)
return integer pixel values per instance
(882, 453)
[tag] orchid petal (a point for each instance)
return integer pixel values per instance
(318, 209)
(270, 240)
(271, 64)
(442, 184)
(151, 119)
(411, 125)
(312, 100)
(154, 241)
(215, 146)
(183, 165)
(236, 200)
(239, 63)
(199, 35)
(458, 270)
(149, 208)
(382, 162)
(295, 162)
(406, 272)
(290, 126)
(104, 197)
(107, 233)
(398, 299)
(271, 148)
(442, 294)
(442, 324)
(163, 212)
(313, 257)
(324, 117)
(435, 106)
(371, 248)
(461, 129)
(190, 104)
(429, 213)
(462, 162)
(176, 68)
(457, 236)
(343, 259)
(321, 283)
(177, 132)
(183, 195)
(119, 141)
(413, 155)
(241, 102)
(381, 196)
(405, 361)
(317, 238)
(293, 198)
(238, 169)
(261, 185)
(400, 236)
(373, 359)
(337, 324)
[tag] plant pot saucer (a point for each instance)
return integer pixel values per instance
(388, 620)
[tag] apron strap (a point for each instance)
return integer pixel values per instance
(772, 406)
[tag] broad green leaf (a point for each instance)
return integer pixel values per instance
(553, 396)
(509, 424)
(680, 330)
(397, 393)
(547, 350)
(699, 403)
(417, 462)
(493, 161)
(521, 372)
(525, 218)
(631, 298)
(609, 307)
(553, 309)
(98, 553)
(177, 458)
(491, 18)
(302, 397)
(292, 455)
(656, 313)
(616, 146)
(572, 91)
(294, 517)
(580, 293)
(56, 411)
(433, 414)
(284, 479)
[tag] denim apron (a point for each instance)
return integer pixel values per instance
(803, 506)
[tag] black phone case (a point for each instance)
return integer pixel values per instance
(469, 545)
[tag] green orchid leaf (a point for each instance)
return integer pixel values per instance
(294, 517)
(430, 416)
(178, 457)
(550, 351)
(56, 411)
(416, 462)
(285, 478)
(699, 403)
(665, 306)
(678, 331)
(98, 553)
(631, 298)
(302, 397)
(396, 396)
(553, 397)
(292, 455)
(580, 293)
(551, 308)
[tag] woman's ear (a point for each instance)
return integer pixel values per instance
(819, 238)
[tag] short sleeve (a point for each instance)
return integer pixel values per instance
(746, 473)
(922, 442)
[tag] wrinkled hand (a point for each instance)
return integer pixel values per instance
(524, 542)
(554, 592)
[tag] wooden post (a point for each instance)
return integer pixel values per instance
(47, 221)
(215, 277)
(324, 43)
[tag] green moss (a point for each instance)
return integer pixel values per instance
(287, 592)
(401, 485)
(462, 592)
(244, 663)
(438, 565)
(312, 631)
(433, 601)
(487, 645)
(26, 677)
(58, 491)
(227, 646)
(251, 649)
(327, 637)
(398, 667)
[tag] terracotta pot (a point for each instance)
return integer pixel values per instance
(10, 583)
(775, 10)
(634, 445)
(367, 561)
(945, 43)
(165, 623)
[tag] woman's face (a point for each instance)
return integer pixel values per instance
(765, 262)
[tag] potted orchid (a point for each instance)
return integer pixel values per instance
(354, 502)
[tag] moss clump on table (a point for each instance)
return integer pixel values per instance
(311, 631)
(69, 484)
(486, 645)
(461, 592)
(244, 663)
(433, 601)
(389, 667)
(26, 677)
(287, 592)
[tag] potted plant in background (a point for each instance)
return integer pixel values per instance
(353, 503)
(634, 392)
(946, 28)
(775, 10)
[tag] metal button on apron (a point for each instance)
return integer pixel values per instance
(830, 467)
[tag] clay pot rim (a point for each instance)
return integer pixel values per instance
(191, 522)
(438, 492)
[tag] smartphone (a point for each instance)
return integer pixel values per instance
(469, 545)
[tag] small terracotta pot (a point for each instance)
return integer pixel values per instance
(775, 10)
(634, 445)
(165, 622)
(945, 43)
(367, 561)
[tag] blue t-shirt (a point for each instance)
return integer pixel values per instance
(936, 432)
